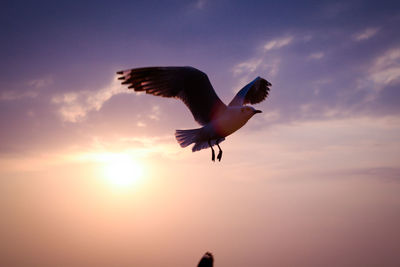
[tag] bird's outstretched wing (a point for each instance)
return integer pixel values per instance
(253, 93)
(190, 85)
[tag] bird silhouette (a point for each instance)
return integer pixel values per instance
(207, 260)
(193, 87)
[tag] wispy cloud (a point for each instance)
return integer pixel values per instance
(272, 116)
(42, 82)
(13, 95)
(319, 84)
(141, 146)
(382, 172)
(278, 43)
(255, 67)
(260, 63)
(247, 66)
(384, 71)
(316, 55)
(141, 124)
(155, 113)
(366, 34)
(386, 68)
(74, 106)
(28, 89)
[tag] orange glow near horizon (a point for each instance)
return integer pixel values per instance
(109, 203)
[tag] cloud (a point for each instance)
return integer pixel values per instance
(278, 43)
(74, 106)
(247, 66)
(260, 64)
(247, 70)
(385, 71)
(366, 34)
(382, 172)
(13, 95)
(40, 83)
(272, 116)
(30, 89)
(141, 124)
(155, 115)
(386, 68)
(316, 55)
(139, 146)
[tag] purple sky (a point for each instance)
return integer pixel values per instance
(332, 56)
(328, 138)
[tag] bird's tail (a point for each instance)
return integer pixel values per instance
(187, 137)
(196, 136)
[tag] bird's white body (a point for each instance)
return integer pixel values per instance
(228, 122)
(231, 120)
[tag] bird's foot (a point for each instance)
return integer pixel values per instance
(219, 155)
(213, 155)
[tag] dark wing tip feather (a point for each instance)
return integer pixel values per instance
(259, 92)
(253, 93)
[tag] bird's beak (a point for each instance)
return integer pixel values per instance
(257, 111)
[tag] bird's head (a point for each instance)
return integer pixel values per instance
(249, 111)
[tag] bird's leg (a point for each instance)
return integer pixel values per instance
(220, 151)
(212, 150)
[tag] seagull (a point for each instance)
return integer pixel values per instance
(193, 87)
(207, 260)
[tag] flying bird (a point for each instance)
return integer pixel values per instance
(193, 87)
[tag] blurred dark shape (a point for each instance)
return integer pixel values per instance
(207, 260)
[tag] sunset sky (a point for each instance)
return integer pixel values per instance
(91, 173)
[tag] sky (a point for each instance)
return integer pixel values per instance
(91, 174)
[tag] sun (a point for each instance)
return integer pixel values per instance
(122, 170)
